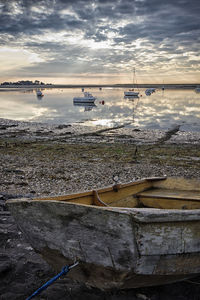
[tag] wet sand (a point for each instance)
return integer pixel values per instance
(41, 159)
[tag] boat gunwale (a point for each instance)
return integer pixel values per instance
(142, 215)
(101, 190)
(138, 214)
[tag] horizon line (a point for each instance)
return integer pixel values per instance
(98, 85)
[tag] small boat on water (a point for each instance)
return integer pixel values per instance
(131, 93)
(197, 90)
(39, 93)
(86, 98)
(149, 91)
(141, 233)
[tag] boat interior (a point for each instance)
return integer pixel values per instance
(163, 193)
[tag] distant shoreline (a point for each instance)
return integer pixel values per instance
(65, 86)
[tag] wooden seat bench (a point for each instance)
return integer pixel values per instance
(170, 199)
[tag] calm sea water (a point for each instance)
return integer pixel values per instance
(161, 110)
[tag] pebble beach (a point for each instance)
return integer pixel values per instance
(39, 159)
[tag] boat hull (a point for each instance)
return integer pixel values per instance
(84, 100)
(131, 94)
(115, 247)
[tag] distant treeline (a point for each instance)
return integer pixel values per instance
(25, 82)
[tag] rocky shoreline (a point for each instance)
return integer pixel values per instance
(42, 159)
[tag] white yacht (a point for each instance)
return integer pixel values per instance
(131, 93)
(86, 98)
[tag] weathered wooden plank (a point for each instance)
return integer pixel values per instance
(169, 265)
(108, 195)
(168, 238)
(90, 234)
(84, 195)
(171, 194)
(169, 203)
(87, 200)
(111, 196)
(154, 215)
(178, 184)
(170, 199)
(129, 201)
(90, 193)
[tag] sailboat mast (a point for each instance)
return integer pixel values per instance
(131, 92)
(133, 76)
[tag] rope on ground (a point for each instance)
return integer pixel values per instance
(64, 271)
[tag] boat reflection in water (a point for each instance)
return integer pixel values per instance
(87, 106)
(132, 98)
(134, 103)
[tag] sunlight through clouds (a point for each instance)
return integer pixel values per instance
(57, 38)
(24, 58)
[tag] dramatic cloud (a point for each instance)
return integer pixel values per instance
(64, 39)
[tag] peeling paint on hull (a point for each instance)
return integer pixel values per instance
(116, 247)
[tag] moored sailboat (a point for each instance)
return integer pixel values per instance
(131, 92)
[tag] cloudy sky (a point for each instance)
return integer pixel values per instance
(100, 41)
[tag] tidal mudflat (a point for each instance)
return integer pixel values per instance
(42, 159)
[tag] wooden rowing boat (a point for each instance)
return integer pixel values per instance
(130, 235)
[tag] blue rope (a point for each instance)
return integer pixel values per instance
(64, 271)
